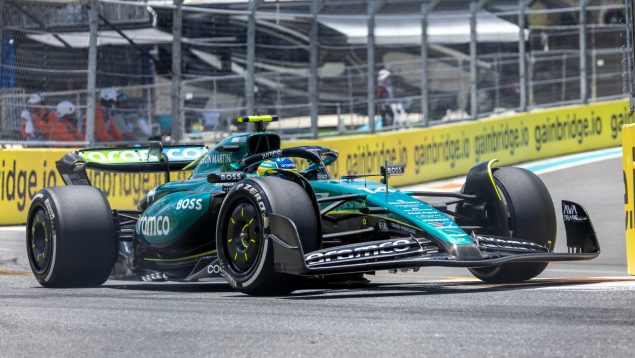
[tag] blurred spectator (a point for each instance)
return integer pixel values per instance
(39, 114)
(27, 126)
(105, 128)
(63, 126)
(389, 109)
(383, 92)
(211, 121)
(122, 117)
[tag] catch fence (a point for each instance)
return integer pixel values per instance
(183, 70)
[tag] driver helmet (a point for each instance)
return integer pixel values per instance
(269, 167)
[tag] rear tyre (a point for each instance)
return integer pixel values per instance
(531, 216)
(70, 237)
(244, 250)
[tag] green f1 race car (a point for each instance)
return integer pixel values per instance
(265, 232)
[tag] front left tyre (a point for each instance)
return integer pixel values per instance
(70, 237)
(244, 248)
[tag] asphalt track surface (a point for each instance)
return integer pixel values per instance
(571, 310)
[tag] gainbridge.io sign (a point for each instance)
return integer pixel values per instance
(451, 150)
(25, 171)
(428, 153)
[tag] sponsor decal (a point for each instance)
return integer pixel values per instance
(184, 154)
(119, 156)
(369, 250)
(224, 186)
(395, 169)
(217, 158)
(239, 140)
(570, 213)
(254, 192)
(272, 153)
(382, 226)
(266, 155)
(404, 203)
(153, 225)
(49, 209)
(378, 190)
(189, 204)
(75, 179)
(226, 176)
(400, 227)
(215, 269)
(229, 278)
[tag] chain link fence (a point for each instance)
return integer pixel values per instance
(182, 70)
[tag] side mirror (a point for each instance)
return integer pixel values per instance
(155, 149)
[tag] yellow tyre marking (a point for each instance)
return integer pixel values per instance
(247, 224)
(491, 177)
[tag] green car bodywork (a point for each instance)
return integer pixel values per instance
(174, 211)
(303, 222)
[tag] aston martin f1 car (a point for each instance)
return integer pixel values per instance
(265, 234)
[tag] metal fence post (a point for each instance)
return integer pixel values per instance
(473, 58)
(250, 98)
(373, 6)
(425, 94)
(177, 119)
(426, 7)
(522, 55)
(313, 75)
(594, 83)
(2, 9)
(584, 93)
(91, 85)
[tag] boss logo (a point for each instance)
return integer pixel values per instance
(231, 176)
(196, 204)
(394, 169)
(225, 177)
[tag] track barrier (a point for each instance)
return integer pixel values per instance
(429, 153)
(628, 162)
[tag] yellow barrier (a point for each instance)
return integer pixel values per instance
(451, 150)
(25, 171)
(628, 161)
(429, 153)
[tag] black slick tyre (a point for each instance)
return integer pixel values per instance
(531, 217)
(244, 250)
(70, 237)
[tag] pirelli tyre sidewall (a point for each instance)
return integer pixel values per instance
(266, 195)
(70, 238)
(530, 215)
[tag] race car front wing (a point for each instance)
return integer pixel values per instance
(405, 253)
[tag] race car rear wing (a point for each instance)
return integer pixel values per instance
(153, 158)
